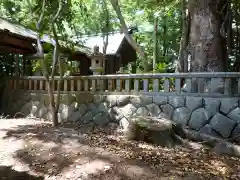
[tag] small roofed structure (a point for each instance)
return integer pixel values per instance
(119, 52)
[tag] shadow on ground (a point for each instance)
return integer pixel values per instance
(7, 173)
(65, 153)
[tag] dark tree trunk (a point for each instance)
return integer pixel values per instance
(207, 45)
(52, 104)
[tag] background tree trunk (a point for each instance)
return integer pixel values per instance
(155, 43)
(182, 63)
(207, 45)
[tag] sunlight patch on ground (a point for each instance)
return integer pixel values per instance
(89, 168)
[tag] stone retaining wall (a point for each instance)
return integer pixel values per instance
(219, 117)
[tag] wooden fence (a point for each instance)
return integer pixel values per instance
(160, 83)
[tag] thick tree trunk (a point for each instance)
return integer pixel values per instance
(207, 46)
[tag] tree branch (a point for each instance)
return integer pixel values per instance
(56, 46)
(55, 52)
(106, 28)
(58, 11)
(129, 38)
(60, 82)
(39, 48)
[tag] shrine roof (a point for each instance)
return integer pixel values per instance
(17, 29)
(20, 32)
(114, 42)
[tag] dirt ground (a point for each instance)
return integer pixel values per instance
(33, 150)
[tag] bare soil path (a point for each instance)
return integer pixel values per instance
(31, 149)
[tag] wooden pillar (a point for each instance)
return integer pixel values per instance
(120, 61)
(29, 67)
(24, 65)
(71, 64)
(104, 64)
(17, 63)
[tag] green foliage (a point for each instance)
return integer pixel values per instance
(87, 17)
(161, 67)
(81, 17)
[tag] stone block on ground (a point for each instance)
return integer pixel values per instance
(181, 115)
(193, 103)
(142, 111)
(26, 97)
(61, 107)
(124, 123)
(45, 99)
(111, 100)
(101, 119)
(60, 119)
(88, 117)
(35, 96)
(76, 116)
(128, 110)
(67, 112)
(93, 108)
(82, 109)
(152, 130)
(207, 129)
(34, 108)
(222, 124)
(139, 101)
(48, 116)
(102, 107)
(128, 128)
(115, 113)
(68, 99)
(235, 115)
(98, 98)
(42, 110)
(154, 110)
(26, 109)
(236, 134)
(160, 100)
(212, 105)
(198, 119)
(123, 100)
(112, 115)
(167, 110)
(153, 123)
(176, 101)
(84, 98)
(228, 104)
(227, 148)
(74, 106)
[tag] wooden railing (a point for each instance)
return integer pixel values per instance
(196, 83)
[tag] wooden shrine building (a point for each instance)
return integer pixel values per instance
(16, 39)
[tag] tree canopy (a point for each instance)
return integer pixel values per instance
(79, 18)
